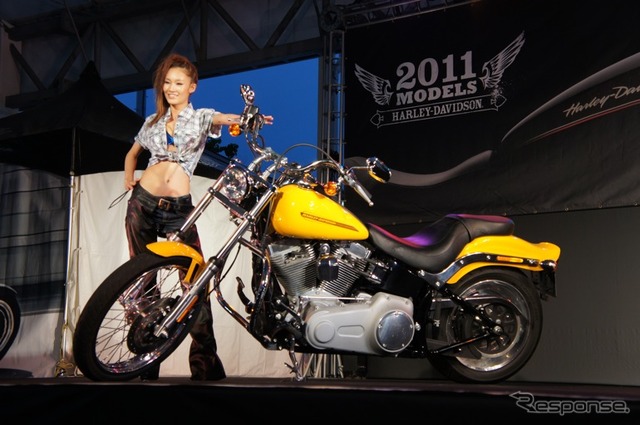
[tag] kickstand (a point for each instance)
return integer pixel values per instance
(295, 367)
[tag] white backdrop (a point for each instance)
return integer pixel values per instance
(103, 247)
(98, 247)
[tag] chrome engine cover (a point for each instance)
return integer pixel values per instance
(333, 317)
(295, 264)
(382, 324)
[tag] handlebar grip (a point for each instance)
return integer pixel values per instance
(360, 190)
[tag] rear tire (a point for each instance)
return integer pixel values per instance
(510, 300)
(114, 338)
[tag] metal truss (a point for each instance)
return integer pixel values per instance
(126, 38)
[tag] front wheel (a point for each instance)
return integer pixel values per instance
(509, 300)
(114, 338)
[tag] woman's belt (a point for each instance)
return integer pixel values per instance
(165, 203)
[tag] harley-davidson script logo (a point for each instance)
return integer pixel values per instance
(435, 89)
(326, 221)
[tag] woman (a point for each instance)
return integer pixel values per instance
(160, 200)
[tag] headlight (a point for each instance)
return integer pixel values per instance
(234, 184)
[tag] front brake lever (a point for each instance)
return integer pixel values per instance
(249, 111)
(247, 93)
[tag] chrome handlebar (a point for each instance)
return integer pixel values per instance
(252, 121)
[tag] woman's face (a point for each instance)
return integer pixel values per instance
(177, 87)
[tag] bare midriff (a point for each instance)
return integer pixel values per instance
(166, 179)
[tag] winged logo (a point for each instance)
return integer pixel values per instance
(493, 69)
(379, 88)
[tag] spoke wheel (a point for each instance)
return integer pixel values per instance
(114, 338)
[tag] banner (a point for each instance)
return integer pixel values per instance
(497, 107)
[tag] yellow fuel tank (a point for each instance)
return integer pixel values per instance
(304, 213)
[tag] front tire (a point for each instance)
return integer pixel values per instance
(510, 300)
(114, 339)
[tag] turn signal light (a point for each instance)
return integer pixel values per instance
(331, 188)
(234, 130)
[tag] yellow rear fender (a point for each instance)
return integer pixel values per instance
(509, 251)
(179, 249)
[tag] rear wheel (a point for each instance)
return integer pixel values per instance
(512, 302)
(114, 338)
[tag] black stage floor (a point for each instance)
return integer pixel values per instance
(315, 400)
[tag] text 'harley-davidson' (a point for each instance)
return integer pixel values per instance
(463, 292)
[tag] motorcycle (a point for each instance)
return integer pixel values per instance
(9, 318)
(463, 293)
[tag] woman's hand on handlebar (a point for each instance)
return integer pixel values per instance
(230, 119)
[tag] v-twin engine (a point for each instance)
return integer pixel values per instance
(319, 279)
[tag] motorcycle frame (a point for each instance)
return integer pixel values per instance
(203, 271)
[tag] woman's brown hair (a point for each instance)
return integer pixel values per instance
(174, 60)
